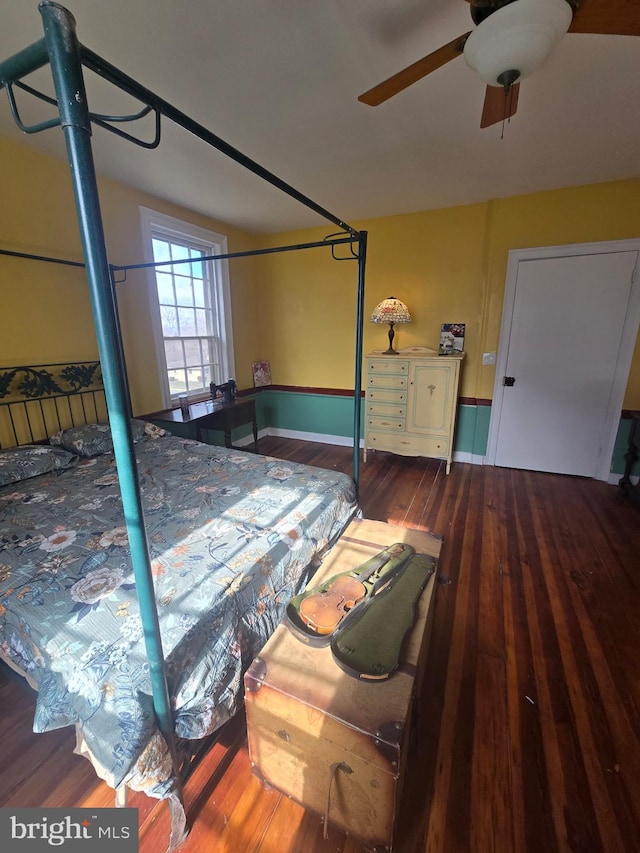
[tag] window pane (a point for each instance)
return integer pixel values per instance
(207, 376)
(169, 319)
(180, 253)
(184, 294)
(192, 353)
(204, 327)
(196, 268)
(187, 320)
(165, 288)
(198, 292)
(160, 250)
(174, 354)
(194, 377)
(177, 381)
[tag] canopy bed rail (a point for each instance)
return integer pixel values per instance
(61, 50)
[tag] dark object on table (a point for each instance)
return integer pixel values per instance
(227, 389)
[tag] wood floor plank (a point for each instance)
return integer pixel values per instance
(490, 818)
(287, 822)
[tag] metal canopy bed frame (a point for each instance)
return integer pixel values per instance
(61, 50)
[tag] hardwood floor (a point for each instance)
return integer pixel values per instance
(529, 722)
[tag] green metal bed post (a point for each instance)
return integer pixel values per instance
(357, 384)
(116, 315)
(59, 27)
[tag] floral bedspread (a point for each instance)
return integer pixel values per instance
(230, 536)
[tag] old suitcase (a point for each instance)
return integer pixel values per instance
(336, 744)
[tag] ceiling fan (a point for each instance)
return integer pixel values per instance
(513, 38)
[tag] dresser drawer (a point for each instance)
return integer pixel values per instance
(385, 410)
(408, 445)
(386, 395)
(386, 423)
(388, 365)
(386, 381)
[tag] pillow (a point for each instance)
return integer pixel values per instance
(21, 463)
(93, 439)
(88, 440)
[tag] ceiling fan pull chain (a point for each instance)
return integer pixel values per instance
(507, 90)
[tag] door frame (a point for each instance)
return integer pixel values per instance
(625, 354)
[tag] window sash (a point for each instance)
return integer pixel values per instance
(190, 303)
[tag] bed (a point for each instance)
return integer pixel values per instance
(232, 536)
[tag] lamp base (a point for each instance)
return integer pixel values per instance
(391, 350)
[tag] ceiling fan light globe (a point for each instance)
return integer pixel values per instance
(518, 37)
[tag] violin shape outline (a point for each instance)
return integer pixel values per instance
(322, 611)
(370, 575)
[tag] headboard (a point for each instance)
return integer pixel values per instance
(38, 400)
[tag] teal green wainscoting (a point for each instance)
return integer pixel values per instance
(621, 446)
(314, 416)
(329, 417)
(472, 430)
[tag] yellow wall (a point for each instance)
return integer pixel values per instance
(448, 265)
(296, 309)
(45, 313)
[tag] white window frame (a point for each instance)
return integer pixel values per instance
(155, 224)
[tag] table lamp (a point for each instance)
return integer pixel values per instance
(390, 311)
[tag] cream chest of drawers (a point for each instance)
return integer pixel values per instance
(411, 402)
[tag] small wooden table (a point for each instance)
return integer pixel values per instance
(216, 416)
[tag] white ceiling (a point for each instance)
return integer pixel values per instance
(279, 80)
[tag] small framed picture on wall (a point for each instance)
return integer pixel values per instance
(261, 373)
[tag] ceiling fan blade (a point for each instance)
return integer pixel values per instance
(607, 17)
(499, 105)
(415, 72)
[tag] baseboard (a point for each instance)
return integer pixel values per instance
(248, 439)
(471, 458)
(320, 437)
(614, 479)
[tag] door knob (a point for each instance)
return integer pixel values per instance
(509, 381)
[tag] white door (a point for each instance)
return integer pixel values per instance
(566, 346)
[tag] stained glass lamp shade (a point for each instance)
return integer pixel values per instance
(391, 311)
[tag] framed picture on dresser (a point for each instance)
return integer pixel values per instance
(451, 338)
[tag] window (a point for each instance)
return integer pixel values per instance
(190, 305)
